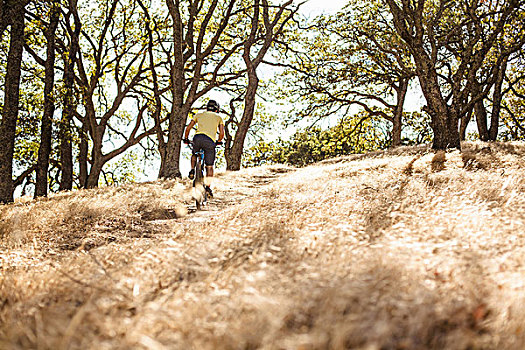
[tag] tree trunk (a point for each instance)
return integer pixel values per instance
(97, 158)
(94, 173)
(397, 122)
(177, 120)
(465, 120)
(11, 100)
(83, 156)
(44, 150)
(171, 164)
(234, 154)
(480, 112)
(65, 128)
(445, 122)
(446, 133)
(397, 128)
(481, 120)
(66, 152)
(496, 101)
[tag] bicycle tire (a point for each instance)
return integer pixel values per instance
(199, 179)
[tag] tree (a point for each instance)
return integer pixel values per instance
(150, 25)
(451, 43)
(70, 51)
(115, 42)
(15, 15)
(49, 102)
(356, 59)
(490, 132)
(260, 40)
(513, 106)
(492, 104)
(197, 63)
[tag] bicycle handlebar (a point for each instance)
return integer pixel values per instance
(205, 108)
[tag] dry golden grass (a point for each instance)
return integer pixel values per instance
(404, 249)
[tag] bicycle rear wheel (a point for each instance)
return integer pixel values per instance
(198, 183)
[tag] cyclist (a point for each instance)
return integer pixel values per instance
(208, 123)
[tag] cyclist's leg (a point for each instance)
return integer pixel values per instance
(209, 170)
(198, 146)
(209, 159)
(205, 143)
(209, 156)
(193, 161)
(191, 175)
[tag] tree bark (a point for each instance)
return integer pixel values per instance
(83, 156)
(44, 150)
(465, 120)
(481, 120)
(4, 21)
(11, 99)
(234, 154)
(480, 112)
(490, 132)
(177, 119)
(445, 122)
(66, 152)
(97, 163)
(65, 127)
(397, 122)
(446, 133)
(496, 101)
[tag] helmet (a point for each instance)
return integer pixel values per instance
(213, 106)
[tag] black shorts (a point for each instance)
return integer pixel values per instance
(203, 142)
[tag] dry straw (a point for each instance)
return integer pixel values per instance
(403, 249)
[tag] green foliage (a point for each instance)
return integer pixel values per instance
(121, 171)
(358, 134)
(28, 126)
(512, 127)
(416, 129)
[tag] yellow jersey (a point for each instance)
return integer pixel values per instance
(208, 123)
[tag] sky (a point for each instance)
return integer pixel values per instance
(317, 7)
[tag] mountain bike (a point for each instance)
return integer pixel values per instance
(200, 193)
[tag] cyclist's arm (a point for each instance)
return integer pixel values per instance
(221, 132)
(188, 129)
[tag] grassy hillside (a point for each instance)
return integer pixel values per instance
(404, 249)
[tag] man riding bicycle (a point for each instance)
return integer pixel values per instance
(208, 123)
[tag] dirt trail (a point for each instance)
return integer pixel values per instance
(120, 275)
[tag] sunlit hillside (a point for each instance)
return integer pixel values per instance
(402, 249)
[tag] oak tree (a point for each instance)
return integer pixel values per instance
(268, 24)
(13, 16)
(450, 43)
